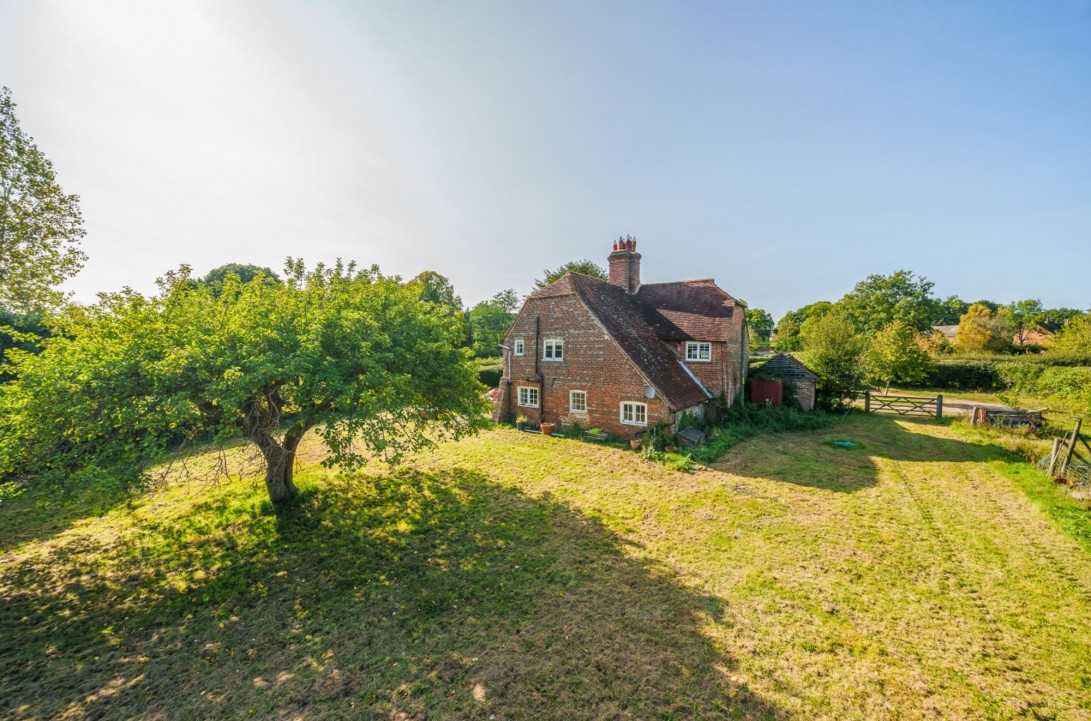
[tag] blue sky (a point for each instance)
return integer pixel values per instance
(786, 149)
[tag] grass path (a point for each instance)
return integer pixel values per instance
(513, 576)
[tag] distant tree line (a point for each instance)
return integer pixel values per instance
(884, 331)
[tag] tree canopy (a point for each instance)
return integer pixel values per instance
(786, 337)
(895, 356)
(881, 299)
(490, 319)
(982, 330)
(358, 356)
(1075, 337)
(586, 267)
(836, 354)
(243, 271)
(40, 225)
(760, 324)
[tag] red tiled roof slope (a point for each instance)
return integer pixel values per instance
(621, 316)
(688, 310)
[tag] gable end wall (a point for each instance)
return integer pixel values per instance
(592, 362)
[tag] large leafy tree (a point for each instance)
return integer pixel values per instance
(490, 319)
(895, 356)
(881, 299)
(245, 272)
(440, 292)
(1025, 316)
(354, 355)
(786, 337)
(760, 325)
(836, 354)
(40, 225)
(981, 330)
(949, 310)
(586, 267)
(1075, 337)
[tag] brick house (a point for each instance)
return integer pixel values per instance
(619, 355)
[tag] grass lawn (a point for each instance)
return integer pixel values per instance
(925, 574)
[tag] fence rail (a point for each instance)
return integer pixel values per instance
(904, 405)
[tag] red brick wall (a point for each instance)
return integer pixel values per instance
(592, 362)
(723, 374)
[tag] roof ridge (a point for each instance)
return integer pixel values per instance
(688, 280)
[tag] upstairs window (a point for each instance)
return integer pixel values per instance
(528, 397)
(698, 352)
(634, 414)
(577, 401)
(553, 349)
(519, 346)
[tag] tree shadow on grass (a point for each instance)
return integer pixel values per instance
(37, 513)
(40, 509)
(410, 595)
(810, 458)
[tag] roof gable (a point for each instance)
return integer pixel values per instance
(620, 317)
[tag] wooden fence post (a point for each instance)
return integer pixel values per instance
(1053, 456)
(867, 401)
(1071, 447)
(939, 406)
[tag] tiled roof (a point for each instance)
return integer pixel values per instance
(786, 367)
(620, 314)
(688, 310)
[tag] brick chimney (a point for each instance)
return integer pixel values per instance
(625, 264)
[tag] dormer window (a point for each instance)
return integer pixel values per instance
(698, 351)
(553, 349)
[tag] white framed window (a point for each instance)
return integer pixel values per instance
(577, 401)
(519, 346)
(698, 351)
(553, 349)
(634, 414)
(528, 397)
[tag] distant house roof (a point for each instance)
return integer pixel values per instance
(623, 318)
(786, 367)
(688, 310)
(948, 331)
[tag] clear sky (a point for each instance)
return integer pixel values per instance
(786, 149)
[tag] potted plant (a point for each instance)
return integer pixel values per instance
(547, 429)
(521, 422)
(634, 443)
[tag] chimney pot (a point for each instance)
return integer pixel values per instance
(615, 246)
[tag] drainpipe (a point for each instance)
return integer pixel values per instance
(537, 370)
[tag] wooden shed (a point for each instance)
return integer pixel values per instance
(791, 371)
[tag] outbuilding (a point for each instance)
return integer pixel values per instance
(799, 381)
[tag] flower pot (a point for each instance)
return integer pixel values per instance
(521, 426)
(547, 429)
(634, 443)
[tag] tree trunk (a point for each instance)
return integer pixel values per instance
(280, 462)
(278, 473)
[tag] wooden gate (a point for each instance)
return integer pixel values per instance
(904, 405)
